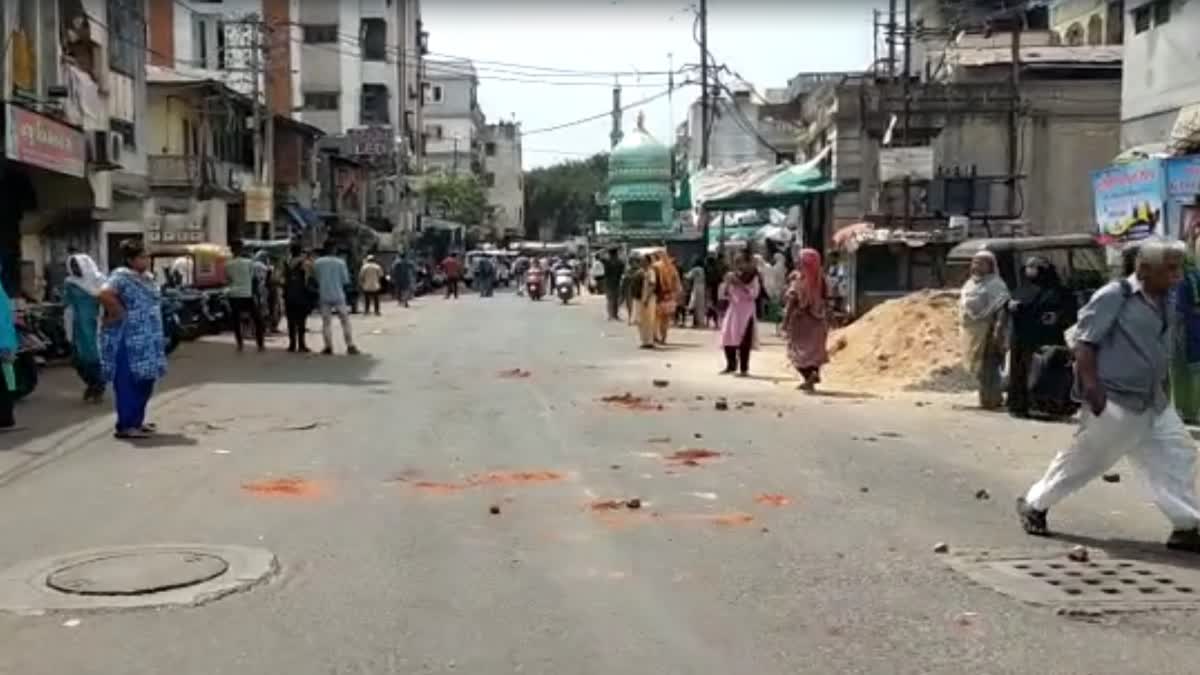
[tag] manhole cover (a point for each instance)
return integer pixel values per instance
(137, 573)
(1103, 583)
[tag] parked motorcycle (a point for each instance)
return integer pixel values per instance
(169, 307)
(30, 347)
(533, 285)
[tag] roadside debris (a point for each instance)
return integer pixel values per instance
(614, 467)
(515, 374)
(745, 404)
(982, 494)
(864, 489)
(307, 426)
(692, 456)
(772, 500)
(1079, 554)
(494, 509)
(709, 496)
(890, 434)
(697, 435)
(661, 384)
(220, 451)
(1112, 478)
(71, 623)
(606, 505)
(941, 547)
(296, 488)
(634, 503)
(659, 439)
(631, 402)
(721, 404)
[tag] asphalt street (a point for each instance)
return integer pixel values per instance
(457, 499)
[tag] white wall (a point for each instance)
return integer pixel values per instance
(1162, 65)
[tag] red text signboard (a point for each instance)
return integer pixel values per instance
(40, 141)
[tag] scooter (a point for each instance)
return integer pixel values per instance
(564, 285)
(533, 285)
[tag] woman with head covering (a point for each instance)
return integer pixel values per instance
(698, 295)
(646, 303)
(742, 288)
(1041, 310)
(8, 356)
(804, 322)
(982, 324)
(80, 294)
(669, 286)
(132, 346)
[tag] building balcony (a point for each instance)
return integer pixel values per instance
(192, 172)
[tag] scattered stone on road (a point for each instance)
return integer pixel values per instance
(890, 434)
(661, 384)
(494, 509)
(634, 503)
(982, 494)
(941, 547)
(1112, 478)
(1079, 554)
(721, 404)
(864, 489)
(614, 467)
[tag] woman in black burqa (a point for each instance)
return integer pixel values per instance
(1042, 309)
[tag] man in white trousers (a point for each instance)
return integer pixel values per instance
(1122, 357)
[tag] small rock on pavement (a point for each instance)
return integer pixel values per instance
(721, 404)
(1112, 478)
(494, 509)
(864, 489)
(1079, 554)
(698, 435)
(614, 467)
(982, 494)
(941, 547)
(661, 384)
(71, 623)
(634, 503)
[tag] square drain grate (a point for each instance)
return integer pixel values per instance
(1103, 583)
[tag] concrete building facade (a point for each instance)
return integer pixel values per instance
(454, 124)
(1160, 96)
(504, 178)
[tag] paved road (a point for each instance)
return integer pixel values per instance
(393, 563)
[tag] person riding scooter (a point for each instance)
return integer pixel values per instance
(535, 281)
(564, 282)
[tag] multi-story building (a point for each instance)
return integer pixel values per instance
(453, 122)
(504, 178)
(1160, 92)
(744, 127)
(1088, 22)
(74, 124)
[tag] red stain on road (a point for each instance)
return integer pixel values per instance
(726, 519)
(480, 480)
(772, 500)
(286, 488)
(606, 505)
(635, 403)
(515, 374)
(436, 488)
(692, 457)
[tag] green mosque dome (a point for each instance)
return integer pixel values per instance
(639, 158)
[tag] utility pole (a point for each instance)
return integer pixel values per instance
(399, 144)
(267, 34)
(1014, 114)
(256, 54)
(907, 104)
(891, 38)
(616, 134)
(704, 105)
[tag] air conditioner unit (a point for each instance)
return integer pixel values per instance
(104, 150)
(116, 145)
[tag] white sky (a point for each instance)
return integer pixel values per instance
(766, 41)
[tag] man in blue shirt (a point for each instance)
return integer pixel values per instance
(333, 277)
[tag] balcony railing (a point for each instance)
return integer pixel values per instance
(194, 172)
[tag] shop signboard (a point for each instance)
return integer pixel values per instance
(37, 140)
(1129, 200)
(1183, 189)
(258, 204)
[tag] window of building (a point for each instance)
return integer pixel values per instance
(315, 34)
(435, 131)
(374, 104)
(490, 149)
(1141, 19)
(373, 36)
(208, 41)
(434, 93)
(489, 179)
(127, 37)
(641, 212)
(321, 100)
(1162, 12)
(127, 130)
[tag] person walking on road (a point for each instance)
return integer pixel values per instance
(983, 323)
(485, 275)
(669, 286)
(698, 294)
(645, 289)
(370, 280)
(402, 279)
(80, 294)
(244, 289)
(297, 298)
(1123, 353)
(1041, 311)
(452, 268)
(804, 319)
(8, 356)
(132, 345)
(333, 276)
(611, 280)
(742, 288)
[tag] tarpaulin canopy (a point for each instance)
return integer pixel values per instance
(758, 185)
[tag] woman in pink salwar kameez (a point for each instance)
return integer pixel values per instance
(742, 287)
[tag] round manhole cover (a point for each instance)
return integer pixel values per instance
(137, 573)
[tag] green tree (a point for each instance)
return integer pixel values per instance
(562, 197)
(460, 198)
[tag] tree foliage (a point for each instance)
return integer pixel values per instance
(460, 198)
(562, 197)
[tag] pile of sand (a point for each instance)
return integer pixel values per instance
(909, 343)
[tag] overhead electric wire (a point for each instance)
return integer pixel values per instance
(598, 116)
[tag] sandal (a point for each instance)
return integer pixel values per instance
(131, 435)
